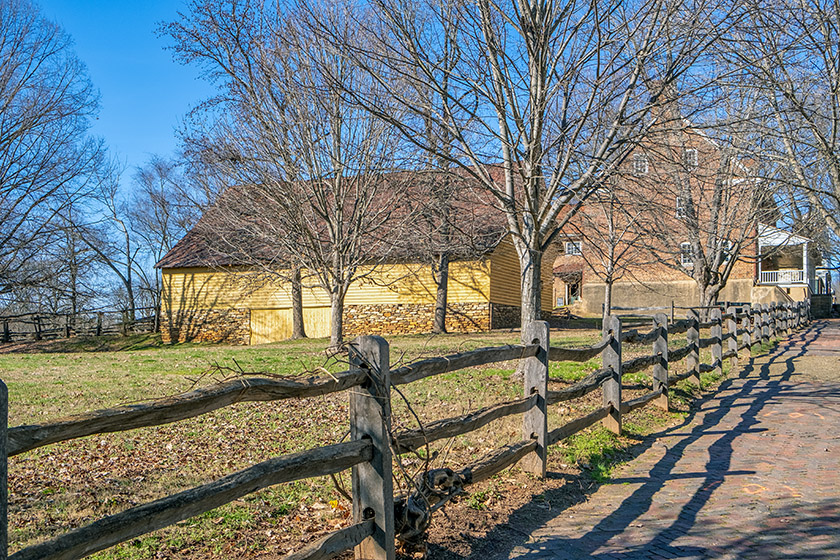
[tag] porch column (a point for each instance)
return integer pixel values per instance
(805, 267)
(759, 264)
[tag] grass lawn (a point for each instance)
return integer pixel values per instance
(62, 486)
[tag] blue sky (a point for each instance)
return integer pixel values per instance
(144, 94)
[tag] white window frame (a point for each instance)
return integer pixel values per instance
(681, 207)
(690, 158)
(686, 257)
(641, 164)
(576, 249)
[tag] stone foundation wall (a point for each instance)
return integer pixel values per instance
(415, 318)
(233, 326)
(505, 316)
(683, 293)
(510, 316)
(212, 325)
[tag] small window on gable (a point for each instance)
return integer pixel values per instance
(640, 164)
(690, 158)
(573, 248)
(686, 258)
(682, 207)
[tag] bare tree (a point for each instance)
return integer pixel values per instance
(541, 102)
(608, 227)
(109, 234)
(308, 167)
(161, 212)
(706, 190)
(793, 52)
(46, 156)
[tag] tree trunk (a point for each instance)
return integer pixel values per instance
(297, 305)
(442, 295)
(708, 297)
(336, 319)
(530, 264)
(608, 286)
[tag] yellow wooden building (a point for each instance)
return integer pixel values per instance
(235, 304)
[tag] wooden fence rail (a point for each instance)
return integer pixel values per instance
(50, 326)
(372, 443)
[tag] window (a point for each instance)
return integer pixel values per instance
(727, 250)
(686, 259)
(690, 158)
(682, 207)
(640, 164)
(573, 248)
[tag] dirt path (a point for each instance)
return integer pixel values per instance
(752, 474)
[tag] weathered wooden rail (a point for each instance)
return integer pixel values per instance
(369, 452)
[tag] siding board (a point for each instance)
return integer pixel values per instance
(506, 280)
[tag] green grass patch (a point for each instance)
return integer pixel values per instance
(595, 451)
(572, 371)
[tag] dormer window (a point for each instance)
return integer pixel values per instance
(640, 164)
(573, 248)
(690, 158)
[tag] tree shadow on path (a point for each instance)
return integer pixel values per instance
(813, 527)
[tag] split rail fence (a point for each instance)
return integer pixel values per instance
(50, 326)
(372, 444)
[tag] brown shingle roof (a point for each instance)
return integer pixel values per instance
(227, 236)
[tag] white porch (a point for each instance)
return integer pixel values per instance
(784, 259)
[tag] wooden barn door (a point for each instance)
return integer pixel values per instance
(274, 325)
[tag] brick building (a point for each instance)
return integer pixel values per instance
(686, 207)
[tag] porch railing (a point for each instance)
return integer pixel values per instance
(782, 277)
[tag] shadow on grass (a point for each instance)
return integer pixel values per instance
(132, 342)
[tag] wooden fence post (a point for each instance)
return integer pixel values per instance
(765, 323)
(370, 418)
(67, 326)
(37, 324)
(693, 339)
(611, 358)
(798, 315)
(717, 345)
(773, 317)
(732, 332)
(98, 323)
(124, 323)
(4, 471)
(789, 318)
(746, 324)
(7, 335)
(783, 323)
(535, 421)
(660, 368)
